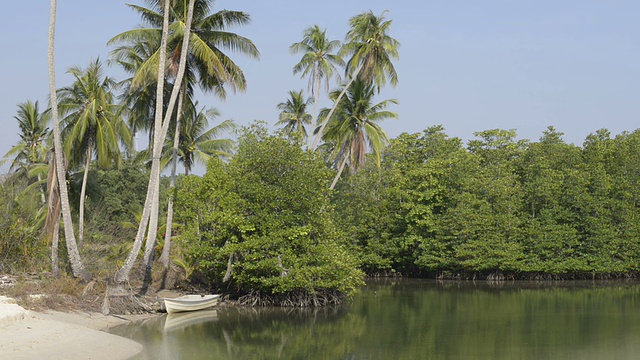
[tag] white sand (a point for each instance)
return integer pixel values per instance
(57, 335)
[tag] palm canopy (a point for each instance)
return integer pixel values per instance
(34, 135)
(317, 62)
(354, 127)
(90, 121)
(371, 49)
(138, 101)
(293, 114)
(206, 62)
(199, 142)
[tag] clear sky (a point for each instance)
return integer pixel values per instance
(468, 65)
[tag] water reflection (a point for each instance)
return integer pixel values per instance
(410, 319)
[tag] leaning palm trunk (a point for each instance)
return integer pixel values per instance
(166, 249)
(122, 274)
(149, 216)
(52, 222)
(77, 267)
(340, 169)
(315, 106)
(83, 191)
(333, 109)
(55, 269)
(43, 199)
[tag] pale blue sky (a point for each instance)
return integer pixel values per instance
(468, 65)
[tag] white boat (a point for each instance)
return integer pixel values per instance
(190, 303)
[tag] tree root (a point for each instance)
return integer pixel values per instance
(321, 298)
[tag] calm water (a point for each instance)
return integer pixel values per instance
(410, 319)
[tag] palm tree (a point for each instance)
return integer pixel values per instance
(371, 50)
(32, 148)
(317, 62)
(151, 200)
(207, 64)
(204, 61)
(77, 267)
(293, 114)
(354, 129)
(197, 144)
(138, 102)
(92, 126)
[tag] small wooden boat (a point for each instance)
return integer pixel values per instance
(190, 303)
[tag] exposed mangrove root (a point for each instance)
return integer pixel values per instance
(118, 300)
(499, 276)
(293, 299)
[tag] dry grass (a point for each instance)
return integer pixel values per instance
(41, 292)
(45, 292)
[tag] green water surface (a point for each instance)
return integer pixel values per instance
(415, 319)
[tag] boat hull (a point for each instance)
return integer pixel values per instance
(190, 303)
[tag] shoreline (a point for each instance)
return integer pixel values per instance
(55, 335)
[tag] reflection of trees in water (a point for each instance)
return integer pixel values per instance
(408, 319)
(285, 333)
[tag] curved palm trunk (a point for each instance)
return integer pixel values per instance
(166, 250)
(83, 191)
(333, 109)
(52, 223)
(149, 216)
(122, 274)
(315, 105)
(43, 199)
(335, 180)
(55, 270)
(77, 267)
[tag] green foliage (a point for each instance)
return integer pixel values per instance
(501, 206)
(22, 246)
(266, 214)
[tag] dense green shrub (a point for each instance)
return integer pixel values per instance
(22, 244)
(261, 225)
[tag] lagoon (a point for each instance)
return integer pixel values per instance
(415, 319)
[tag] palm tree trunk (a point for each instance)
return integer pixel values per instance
(77, 267)
(83, 191)
(333, 109)
(315, 105)
(122, 274)
(55, 270)
(149, 216)
(166, 250)
(153, 221)
(43, 199)
(335, 180)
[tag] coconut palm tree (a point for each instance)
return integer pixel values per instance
(77, 267)
(207, 64)
(371, 50)
(91, 125)
(138, 102)
(34, 131)
(354, 129)
(198, 143)
(32, 148)
(293, 114)
(161, 126)
(204, 62)
(318, 61)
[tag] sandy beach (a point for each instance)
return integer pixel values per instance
(58, 335)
